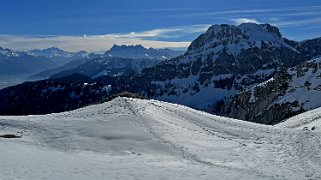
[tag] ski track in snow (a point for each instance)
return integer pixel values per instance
(149, 139)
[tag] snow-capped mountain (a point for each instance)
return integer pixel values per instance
(56, 52)
(59, 56)
(223, 61)
(288, 93)
(18, 62)
(108, 66)
(115, 61)
(9, 53)
(148, 139)
(51, 52)
(140, 52)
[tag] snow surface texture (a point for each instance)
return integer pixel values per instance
(310, 120)
(148, 139)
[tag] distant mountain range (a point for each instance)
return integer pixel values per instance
(72, 64)
(48, 62)
(29, 62)
(115, 61)
(18, 62)
(54, 52)
(140, 52)
(248, 71)
(108, 66)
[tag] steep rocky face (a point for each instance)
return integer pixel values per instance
(288, 93)
(250, 105)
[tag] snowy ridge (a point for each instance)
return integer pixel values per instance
(148, 139)
(310, 120)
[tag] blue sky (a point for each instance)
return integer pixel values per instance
(96, 25)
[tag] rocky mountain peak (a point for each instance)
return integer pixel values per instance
(234, 38)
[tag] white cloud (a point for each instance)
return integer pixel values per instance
(94, 43)
(239, 21)
(296, 23)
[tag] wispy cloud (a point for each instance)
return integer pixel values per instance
(94, 43)
(238, 21)
(302, 9)
(171, 32)
(296, 23)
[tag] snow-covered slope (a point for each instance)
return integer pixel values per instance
(310, 120)
(148, 139)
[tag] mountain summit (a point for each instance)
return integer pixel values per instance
(235, 38)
